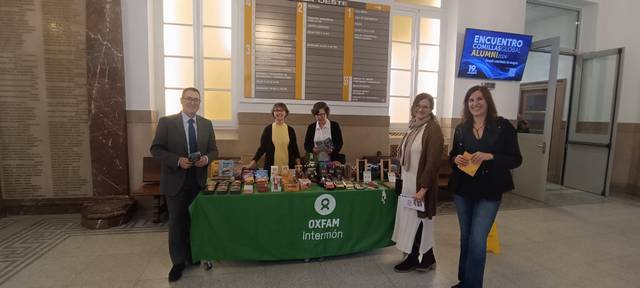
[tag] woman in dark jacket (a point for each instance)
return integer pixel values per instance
(491, 142)
(278, 142)
(321, 130)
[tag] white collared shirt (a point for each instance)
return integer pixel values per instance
(320, 135)
(324, 132)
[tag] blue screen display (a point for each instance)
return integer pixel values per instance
(494, 55)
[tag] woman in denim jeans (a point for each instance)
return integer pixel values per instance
(491, 142)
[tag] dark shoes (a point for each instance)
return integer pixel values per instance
(428, 262)
(409, 264)
(176, 272)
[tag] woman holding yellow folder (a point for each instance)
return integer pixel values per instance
(484, 150)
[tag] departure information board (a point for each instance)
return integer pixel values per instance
(316, 50)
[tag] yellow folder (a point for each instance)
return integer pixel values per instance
(471, 168)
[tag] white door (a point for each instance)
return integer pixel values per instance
(531, 177)
(591, 121)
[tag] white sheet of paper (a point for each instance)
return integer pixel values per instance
(366, 176)
(392, 177)
(411, 203)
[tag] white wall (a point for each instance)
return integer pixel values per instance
(138, 48)
(498, 15)
(617, 27)
(450, 63)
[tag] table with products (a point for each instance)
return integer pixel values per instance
(291, 225)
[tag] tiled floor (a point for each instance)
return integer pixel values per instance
(571, 240)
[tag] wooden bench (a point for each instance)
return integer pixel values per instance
(444, 173)
(151, 187)
(443, 179)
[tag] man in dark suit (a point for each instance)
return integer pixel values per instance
(177, 138)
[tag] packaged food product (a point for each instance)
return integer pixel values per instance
(247, 189)
(305, 183)
(349, 185)
(226, 168)
(329, 185)
(247, 176)
(235, 187)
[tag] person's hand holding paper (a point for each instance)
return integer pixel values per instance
(470, 167)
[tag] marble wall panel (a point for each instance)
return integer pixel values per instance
(106, 91)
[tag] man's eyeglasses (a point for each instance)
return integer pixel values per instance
(191, 100)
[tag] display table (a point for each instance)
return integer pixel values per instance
(291, 225)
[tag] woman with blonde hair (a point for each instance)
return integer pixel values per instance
(420, 154)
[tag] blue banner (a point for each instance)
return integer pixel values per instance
(494, 55)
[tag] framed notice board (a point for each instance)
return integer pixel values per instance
(316, 50)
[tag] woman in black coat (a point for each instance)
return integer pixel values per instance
(315, 141)
(492, 143)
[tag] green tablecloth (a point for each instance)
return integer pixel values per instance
(291, 225)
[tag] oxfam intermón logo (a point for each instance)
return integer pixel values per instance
(325, 204)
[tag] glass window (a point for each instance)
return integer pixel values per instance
(178, 40)
(178, 72)
(402, 28)
(211, 63)
(404, 66)
(430, 31)
(400, 83)
(400, 56)
(399, 109)
(217, 74)
(172, 101)
(596, 87)
(178, 53)
(432, 3)
(544, 22)
(217, 42)
(217, 105)
(428, 83)
(217, 13)
(177, 11)
(429, 57)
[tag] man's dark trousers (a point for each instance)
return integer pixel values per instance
(179, 220)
